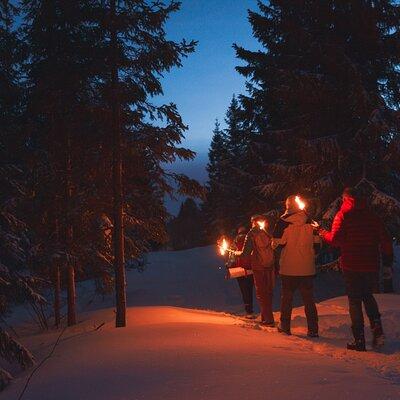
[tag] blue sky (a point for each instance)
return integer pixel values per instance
(203, 87)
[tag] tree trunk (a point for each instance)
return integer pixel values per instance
(57, 279)
(57, 294)
(118, 228)
(71, 295)
(71, 292)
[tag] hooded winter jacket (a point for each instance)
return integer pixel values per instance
(361, 237)
(298, 256)
(257, 246)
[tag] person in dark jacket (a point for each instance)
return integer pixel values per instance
(257, 246)
(363, 242)
(245, 283)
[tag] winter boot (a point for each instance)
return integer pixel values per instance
(312, 331)
(248, 309)
(284, 329)
(357, 344)
(268, 324)
(378, 338)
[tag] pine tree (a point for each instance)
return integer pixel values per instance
(59, 71)
(135, 53)
(240, 163)
(235, 131)
(185, 231)
(232, 197)
(323, 96)
(215, 205)
(217, 153)
(10, 57)
(14, 242)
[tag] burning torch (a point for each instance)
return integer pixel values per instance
(232, 270)
(261, 224)
(300, 203)
(302, 206)
(223, 247)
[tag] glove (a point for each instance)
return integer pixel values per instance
(315, 225)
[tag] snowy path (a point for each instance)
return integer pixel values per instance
(180, 353)
(170, 353)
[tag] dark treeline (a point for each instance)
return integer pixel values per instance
(320, 113)
(186, 230)
(82, 148)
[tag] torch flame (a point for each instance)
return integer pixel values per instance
(300, 203)
(223, 247)
(261, 224)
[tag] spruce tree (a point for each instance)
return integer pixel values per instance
(232, 196)
(235, 131)
(135, 52)
(14, 241)
(185, 231)
(217, 153)
(215, 204)
(323, 96)
(59, 42)
(241, 174)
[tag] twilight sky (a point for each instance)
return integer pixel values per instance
(203, 87)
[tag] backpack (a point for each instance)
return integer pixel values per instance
(262, 255)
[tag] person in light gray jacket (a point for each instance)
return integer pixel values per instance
(296, 264)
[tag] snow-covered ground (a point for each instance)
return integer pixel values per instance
(171, 349)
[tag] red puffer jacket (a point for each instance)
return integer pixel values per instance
(361, 237)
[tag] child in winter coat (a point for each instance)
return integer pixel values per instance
(297, 265)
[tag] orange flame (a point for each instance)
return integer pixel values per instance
(223, 247)
(300, 203)
(261, 224)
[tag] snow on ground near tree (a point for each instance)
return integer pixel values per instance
(171, 352)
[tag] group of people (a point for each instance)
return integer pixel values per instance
(290, 251)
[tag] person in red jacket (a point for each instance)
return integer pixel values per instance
(246, 282)
(363, 243)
